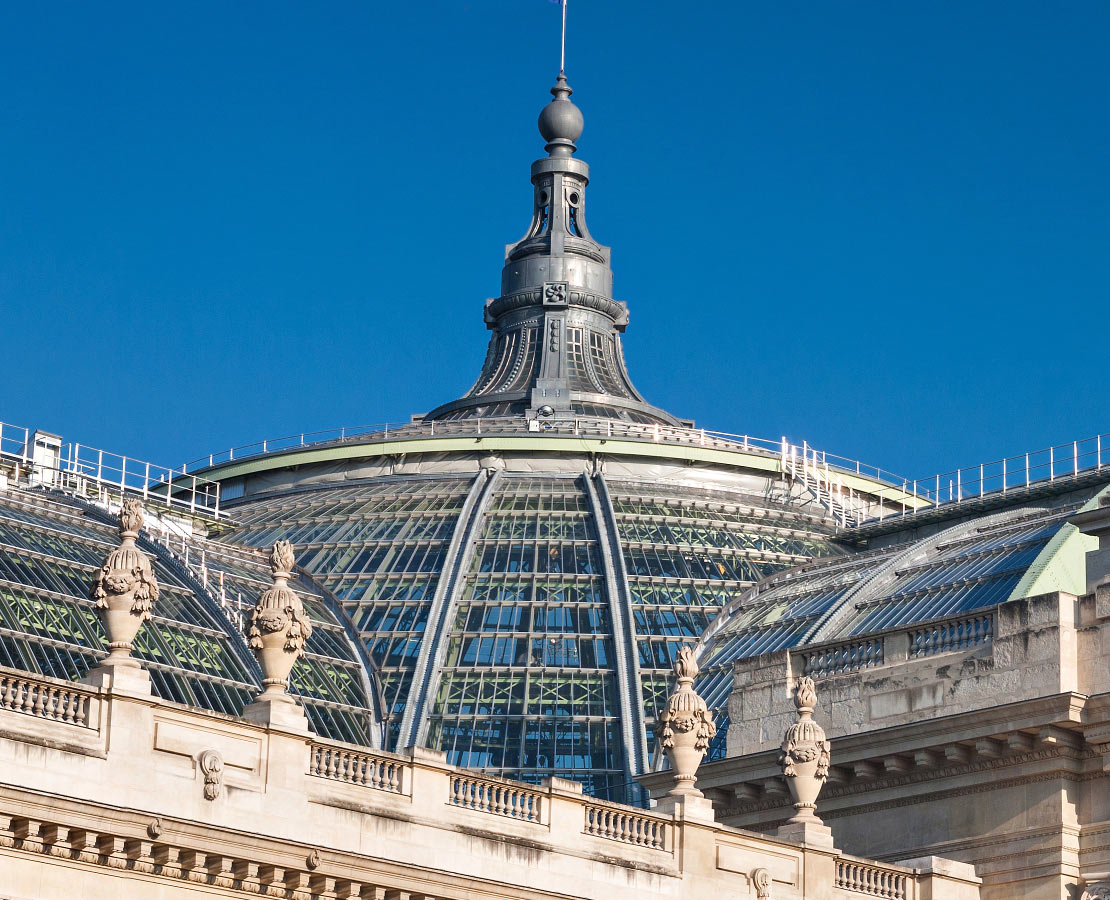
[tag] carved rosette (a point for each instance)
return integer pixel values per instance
(279, 626)
(805, 755)
(685, 726)
(125, 588)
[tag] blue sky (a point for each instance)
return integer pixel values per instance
(880, 227)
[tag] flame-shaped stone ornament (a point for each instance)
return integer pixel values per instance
(125, 588)
(805, 755)
(279, 626)
(685, 726)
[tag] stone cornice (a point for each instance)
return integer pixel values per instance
(874, 785)
(241, 862)
(1059, 709)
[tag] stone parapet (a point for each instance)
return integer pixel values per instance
(148, 799)
(983, 737)
(1020, 650)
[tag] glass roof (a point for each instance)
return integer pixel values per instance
(969, 566)
(525, 682)
(50, 550)
(378, 546)
(333, 680)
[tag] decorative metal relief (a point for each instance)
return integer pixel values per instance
(553, 331)
(556, 294)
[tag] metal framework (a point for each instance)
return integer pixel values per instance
(52, 545)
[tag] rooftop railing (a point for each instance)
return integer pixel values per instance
(100, 474)
(824, 473)
(1059, 464)
(577, 427)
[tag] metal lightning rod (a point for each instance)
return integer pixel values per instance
(563, 46)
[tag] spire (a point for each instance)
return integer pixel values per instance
(555, 351)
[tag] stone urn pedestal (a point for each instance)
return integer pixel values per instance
(278, 631)
(805, 766)
(124, 590)
(684, 729)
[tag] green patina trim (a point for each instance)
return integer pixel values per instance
(730, 458)
(1062, 564)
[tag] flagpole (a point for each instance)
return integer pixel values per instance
(563, 46)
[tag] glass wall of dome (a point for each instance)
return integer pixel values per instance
(526, 622)
(379, 547)
(50, 550)
(528, 683)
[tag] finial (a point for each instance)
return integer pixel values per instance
(685, 726)
(685, 667)
(805, 765)
(125, 588)
(279, 626)
(561, 122)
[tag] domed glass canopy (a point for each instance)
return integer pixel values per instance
(527, 623)
(50, 549)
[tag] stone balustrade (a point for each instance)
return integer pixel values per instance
(357, 767)
(501, 798)
(947, 635)
(870, 880)
(156, 799)
(56, 701)
(836, 659)
(955, 633)
(621, 824)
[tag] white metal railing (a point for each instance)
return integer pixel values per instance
(354, 767)
(584, 426)
(94, 473)
(826, 475)
(870, 880)
(1060, 463)
(191, 554)
(822, 473)
(496, 797)
(43, 700)
(625, 826)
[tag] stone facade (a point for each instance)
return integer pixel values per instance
(109, 792)
(984, 738)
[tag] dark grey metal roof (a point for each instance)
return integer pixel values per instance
(555, 351)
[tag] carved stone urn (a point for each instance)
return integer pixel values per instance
(279, 626)
(685, 727)
(805, 755)
(125, 589)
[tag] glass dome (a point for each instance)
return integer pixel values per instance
(522, 616)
